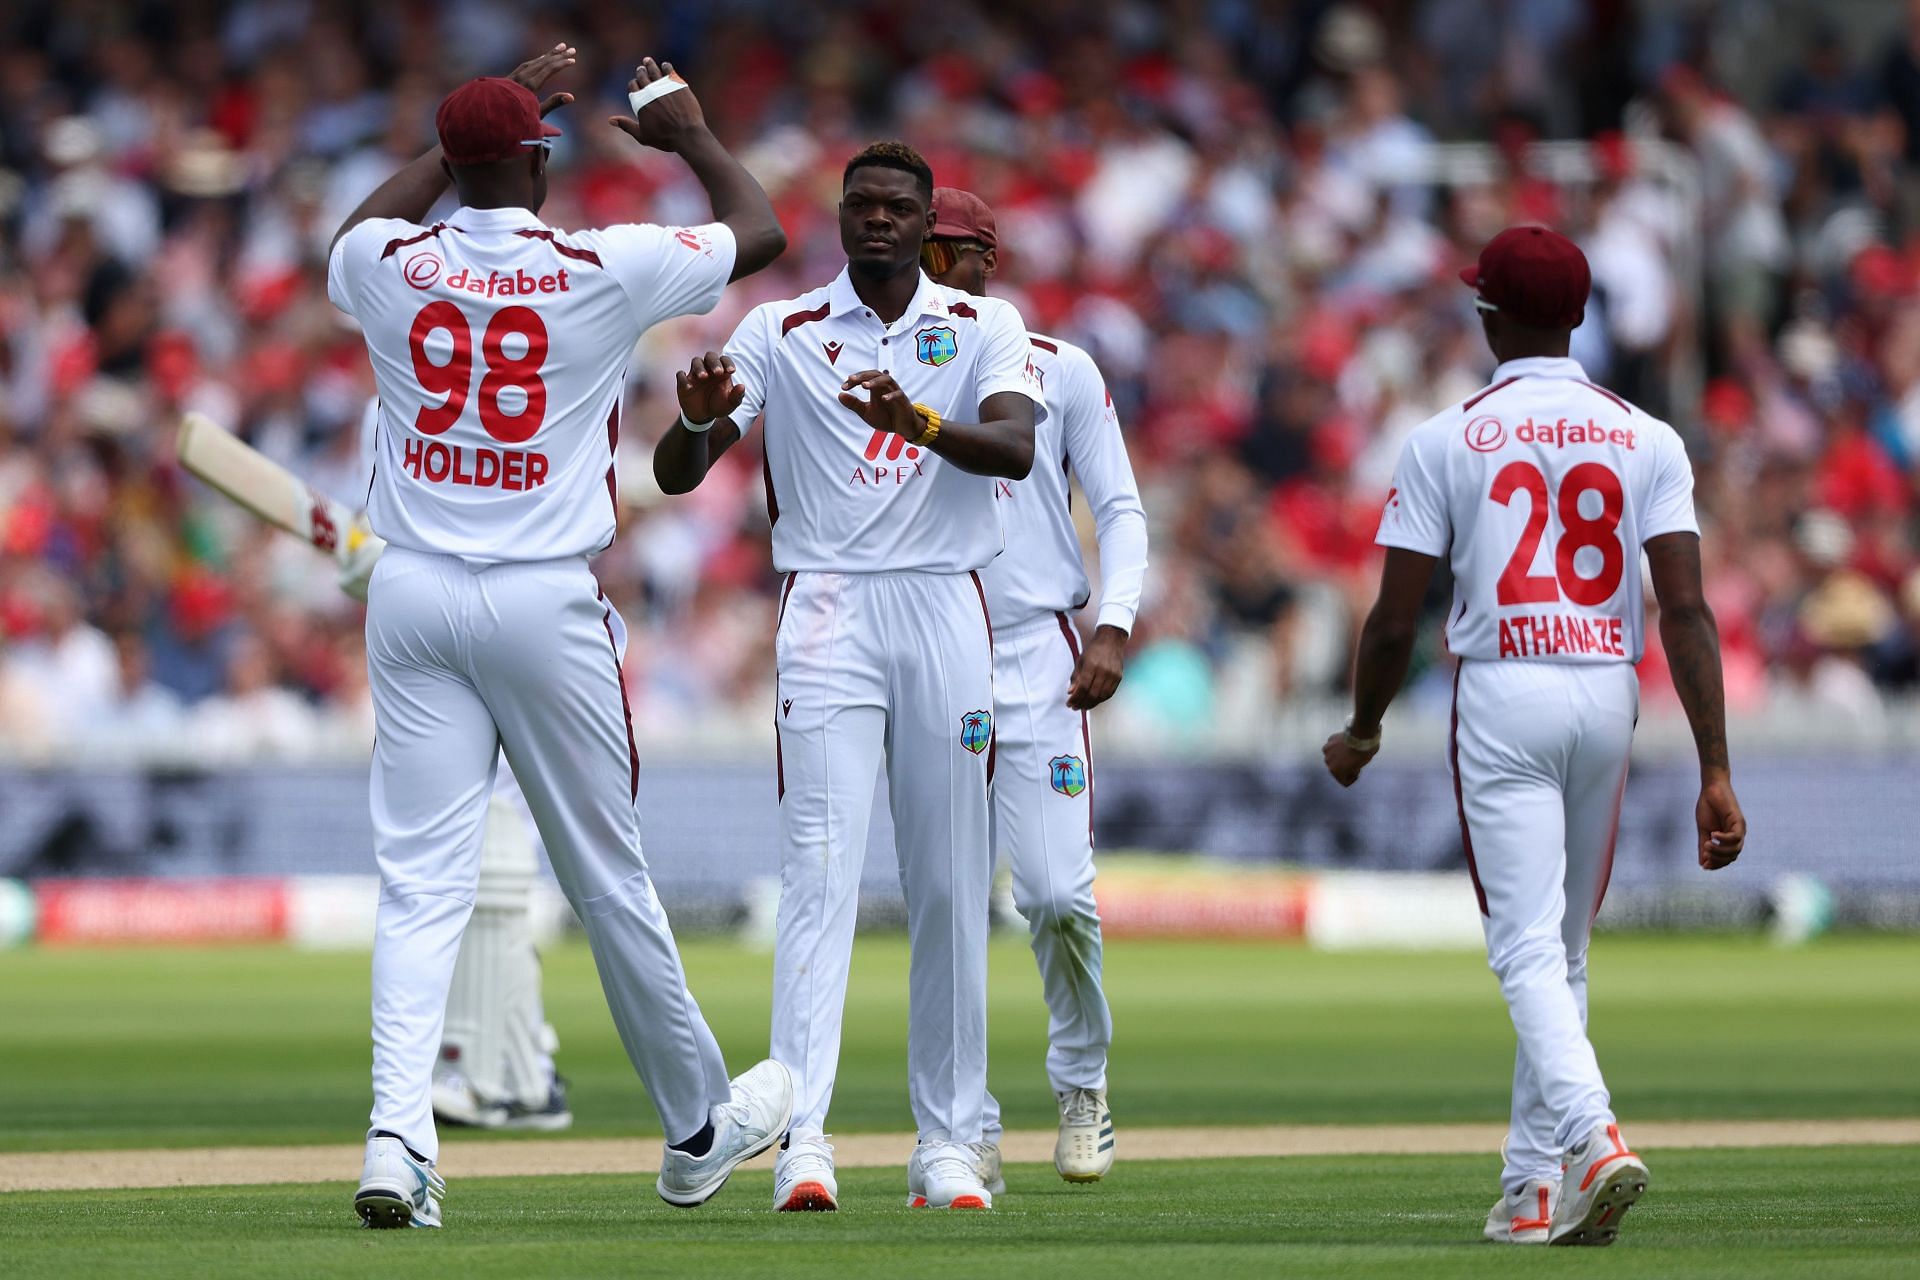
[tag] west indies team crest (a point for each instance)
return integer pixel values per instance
(976, 730)
(1068, 775)
(937, 345)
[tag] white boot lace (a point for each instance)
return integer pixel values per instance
(1079, 1108)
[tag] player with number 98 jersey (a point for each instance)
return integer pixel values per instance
(500, 348)
(1540, 491)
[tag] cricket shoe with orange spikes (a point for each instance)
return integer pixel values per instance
(945, 1175)
(803, 1179)
(1599, 1182)
(1524, 1214)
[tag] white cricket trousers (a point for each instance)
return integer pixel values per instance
(893, 666)
(1043, 827)
(464, 661)
(1539, 753)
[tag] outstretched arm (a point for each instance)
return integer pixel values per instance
(674, 123)
(1380, 665)
(1692, 641)
(1000, 444)
(410, 193)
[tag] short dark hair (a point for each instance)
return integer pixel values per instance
(892, 155)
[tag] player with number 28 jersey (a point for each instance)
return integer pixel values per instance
(1542, 492)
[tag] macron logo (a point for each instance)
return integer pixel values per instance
(833, 355)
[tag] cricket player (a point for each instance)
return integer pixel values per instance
(495, 1069)
(1043, 686)
(499, 346)
(891, 405)
(1542, 491)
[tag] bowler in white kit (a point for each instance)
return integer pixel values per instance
(1044, 684)
(1542, 492)
(499, 347)
(891, 407)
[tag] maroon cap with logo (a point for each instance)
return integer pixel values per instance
(1537, 276)
(962, 215)
(489, 119)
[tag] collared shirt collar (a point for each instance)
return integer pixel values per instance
(468, 218)
(927, 301)
(1540, 367)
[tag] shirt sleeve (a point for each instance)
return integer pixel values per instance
(666, 271)
(355, 253)
(1097, 452)
(751, 350)
(1670, 508)
(1416, 517)
(1006, 359)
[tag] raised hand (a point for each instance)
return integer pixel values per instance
(537, 70)
(707, 389)
(886, 407)
(665, 123)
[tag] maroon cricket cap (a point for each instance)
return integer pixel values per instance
(1537, 276)
(962, 215)
(489, 119)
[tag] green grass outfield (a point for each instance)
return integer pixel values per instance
(1742, 1215)
(146, 1048)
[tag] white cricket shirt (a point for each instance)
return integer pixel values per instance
(1541, 490)
(499, 348)
(842, 496)
(1042, 570)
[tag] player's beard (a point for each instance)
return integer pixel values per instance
(878, 270)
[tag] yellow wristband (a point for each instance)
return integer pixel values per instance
(932, 420)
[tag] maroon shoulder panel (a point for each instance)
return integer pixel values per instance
(563, 249)
(799, 318)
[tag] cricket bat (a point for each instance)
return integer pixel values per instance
(266, 488)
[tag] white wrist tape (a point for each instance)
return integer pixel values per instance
(696, 427)
(654, 92)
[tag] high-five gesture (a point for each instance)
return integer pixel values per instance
(537, 70)
(666, 123)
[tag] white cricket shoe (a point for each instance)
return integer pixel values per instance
(1522, 1215)
(395, 1189)
(986, 1162)
(455, 1102)
(743, 1127)
(943, 1175)
(1084, 1152)
(803, 1180)
(1599, 1182)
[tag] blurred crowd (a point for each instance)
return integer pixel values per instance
(1249, 211)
